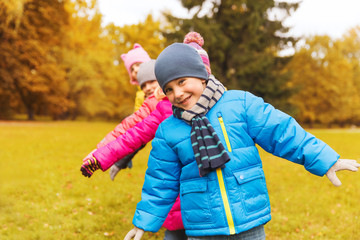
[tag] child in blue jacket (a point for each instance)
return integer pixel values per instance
(206, 153)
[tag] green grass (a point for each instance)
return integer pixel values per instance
(44, 196)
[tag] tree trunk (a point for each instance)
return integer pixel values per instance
(30, 113)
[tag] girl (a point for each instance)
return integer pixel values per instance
(147, 80)
(206, 152)
(132, 61)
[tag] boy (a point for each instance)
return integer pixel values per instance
(206, 152)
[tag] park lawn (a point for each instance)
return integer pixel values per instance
(44, 196)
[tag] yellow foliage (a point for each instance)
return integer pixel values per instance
(59, 60)
(324, 78)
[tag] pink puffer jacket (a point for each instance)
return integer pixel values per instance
(142, 133)
(131, 140)
(146, 108)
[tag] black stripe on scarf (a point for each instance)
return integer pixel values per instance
(208, 149)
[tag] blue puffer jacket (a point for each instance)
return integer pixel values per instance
(235, 198)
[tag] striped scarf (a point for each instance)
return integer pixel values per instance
(208, 149)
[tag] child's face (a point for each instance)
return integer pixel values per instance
(149, 87)
(134, 69)
(185, 92)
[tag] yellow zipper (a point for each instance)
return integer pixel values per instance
(222, 184)
(225, 133)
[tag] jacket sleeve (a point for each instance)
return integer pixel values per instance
(146, 108)
(161, 186)
(279, 134)
(133, 138)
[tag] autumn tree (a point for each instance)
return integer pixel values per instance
(10, 14)
(350, 49)
(57, 59)
(99, 83)
(29, 56)
(243, 39)
(87, 59)
(324, 79)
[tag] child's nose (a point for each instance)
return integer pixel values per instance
(178, 92)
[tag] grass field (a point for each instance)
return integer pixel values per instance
(44, 196)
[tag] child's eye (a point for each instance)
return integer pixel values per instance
(181, 81)
(167, 90)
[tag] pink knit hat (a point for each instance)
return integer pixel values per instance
(195, 40)
(135, 55)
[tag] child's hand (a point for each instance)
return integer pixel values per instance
(341, 164)
(135, 233)
(89, 166)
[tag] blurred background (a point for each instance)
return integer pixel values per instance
(60, 59)
(63, 85)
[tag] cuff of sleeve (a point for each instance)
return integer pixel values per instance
(101, 154)
(147, 221)
(323, 162)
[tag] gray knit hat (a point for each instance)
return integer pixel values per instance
(179, 60)
(146, 72)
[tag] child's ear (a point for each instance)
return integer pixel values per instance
(203, 81)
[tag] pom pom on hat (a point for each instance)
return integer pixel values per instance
(135, 55)
(195, 40)
(194, 37)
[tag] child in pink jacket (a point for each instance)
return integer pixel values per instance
(147, 81)
(140, 134)
(132, 61)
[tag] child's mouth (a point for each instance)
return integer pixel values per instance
(183, 102)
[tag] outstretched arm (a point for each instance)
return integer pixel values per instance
(341, 164)
(280, 134)
(133, 138)
(146, 108)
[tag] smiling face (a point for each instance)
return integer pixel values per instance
(149, 87)
(184, 92)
